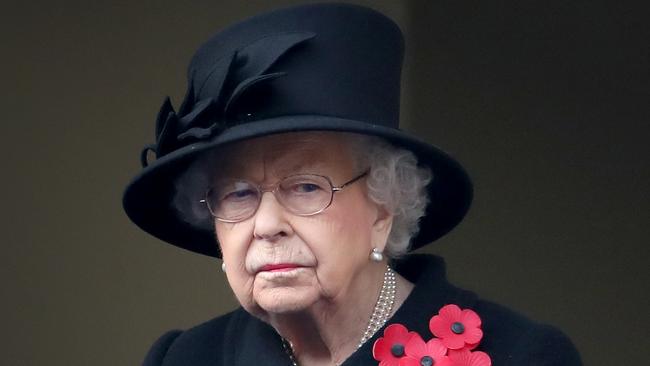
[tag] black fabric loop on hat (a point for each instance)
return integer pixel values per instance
(144, 158)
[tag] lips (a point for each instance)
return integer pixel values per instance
(280, 267)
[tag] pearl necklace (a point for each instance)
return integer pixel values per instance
(380, 314)
(383, 307)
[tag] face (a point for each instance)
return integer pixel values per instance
(279, 262)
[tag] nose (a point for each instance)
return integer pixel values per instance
(271, 219)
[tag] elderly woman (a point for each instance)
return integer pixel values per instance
(285, 160)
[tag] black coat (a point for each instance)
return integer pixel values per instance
(238, 338)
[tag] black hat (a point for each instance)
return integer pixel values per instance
(328, 67)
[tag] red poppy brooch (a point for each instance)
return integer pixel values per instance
(457, 332)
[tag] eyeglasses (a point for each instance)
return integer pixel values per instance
(235, 200)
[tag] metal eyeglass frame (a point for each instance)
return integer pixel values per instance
(273, 189)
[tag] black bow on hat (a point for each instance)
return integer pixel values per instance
(210, 104)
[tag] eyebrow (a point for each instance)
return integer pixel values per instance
(302, 166)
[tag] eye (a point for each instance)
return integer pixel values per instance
(239, 191)
(306, 187)
(238, 194)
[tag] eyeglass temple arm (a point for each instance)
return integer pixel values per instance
(336, 189)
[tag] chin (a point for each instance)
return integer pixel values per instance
(286, 300)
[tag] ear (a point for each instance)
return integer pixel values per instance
(381, 227)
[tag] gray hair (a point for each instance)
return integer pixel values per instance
(394, 181)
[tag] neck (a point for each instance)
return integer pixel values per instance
(330, 331)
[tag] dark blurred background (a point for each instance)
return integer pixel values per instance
(544, 102)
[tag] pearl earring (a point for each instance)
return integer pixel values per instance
(223, 266)
(376, 255)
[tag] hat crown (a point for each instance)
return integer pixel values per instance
(333, 60)
(349, 68)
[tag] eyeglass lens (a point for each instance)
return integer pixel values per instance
(305, 194)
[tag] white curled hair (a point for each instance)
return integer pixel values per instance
(394, 181)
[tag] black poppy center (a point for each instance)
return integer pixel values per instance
(426, 361)
(397, 350)
(458, 328)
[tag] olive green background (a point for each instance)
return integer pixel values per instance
(544, 102)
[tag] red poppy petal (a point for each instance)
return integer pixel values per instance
(380, 349)
(479, 358)
(409, 361)
(470, 319)
(454, 341)
(415, 347)
(473, 335)
(395, 330)
(443, 361)
(389, 362)
(467, 358)
(459, 357)
(436, 349)
(471, 346)
(451, 312)
(439, 326)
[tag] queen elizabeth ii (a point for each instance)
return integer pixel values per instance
(285, 160)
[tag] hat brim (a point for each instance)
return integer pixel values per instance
(147, 198)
